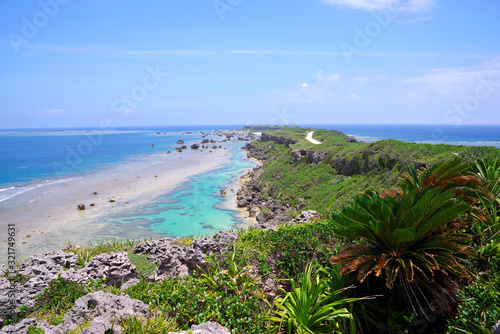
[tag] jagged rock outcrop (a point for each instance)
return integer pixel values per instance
(254, 153)
(195, 146)
(279, 139)
(313, 156)
(42, 269)
(205, 328)
(175, 260)
(115, 268)
(496, 328)
(102, 308)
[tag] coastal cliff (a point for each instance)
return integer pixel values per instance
(298, 175)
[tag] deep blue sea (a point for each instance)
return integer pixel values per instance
(477, 135)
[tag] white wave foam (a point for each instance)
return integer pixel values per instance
(8, 193)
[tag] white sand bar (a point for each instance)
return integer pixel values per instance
(46, 218)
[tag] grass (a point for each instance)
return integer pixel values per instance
(85, 254)
(156, 324)
(145, 266)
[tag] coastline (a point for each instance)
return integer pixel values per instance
(51, 220)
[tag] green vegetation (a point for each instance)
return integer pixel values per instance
(85, 254)
(157, 324)
(35, 330)
(409, 243)
(348, 169)
(396, 249)
(229, 297)
(145, 266)
(311, 306)
(290, 248)
(60, 296)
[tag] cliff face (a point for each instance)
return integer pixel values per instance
(279, 139)
(361, 163)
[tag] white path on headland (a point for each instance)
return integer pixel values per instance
(310, 138)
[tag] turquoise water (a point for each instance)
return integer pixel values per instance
(196, 208)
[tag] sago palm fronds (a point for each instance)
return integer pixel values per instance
(406, 240)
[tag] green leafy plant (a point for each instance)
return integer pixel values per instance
(488, 169)
(480, 307)
(157, 324)
(35, 330)
(226, 296)
(85, 254)
(452, 174)
(409, 241)
(310, 307)
(60, 296)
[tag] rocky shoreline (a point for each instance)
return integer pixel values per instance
(268, 212)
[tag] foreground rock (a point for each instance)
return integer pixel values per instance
(175, 260)
(102, 308)
(42, 269)
(205, 328)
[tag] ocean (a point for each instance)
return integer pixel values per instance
(469, 135)
(33, 160)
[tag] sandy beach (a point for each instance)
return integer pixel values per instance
(46, 218)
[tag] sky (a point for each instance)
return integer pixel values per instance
(85, 63)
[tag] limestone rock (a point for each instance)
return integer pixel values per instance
(205, 328)
(103, 309)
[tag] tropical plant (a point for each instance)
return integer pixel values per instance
(449, 174)
(310, 307)
(408, 241)
(488, 169)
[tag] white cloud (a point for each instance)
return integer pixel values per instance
(304, 85)
(445, 81)
(393, 5)
(129, 111)
(354, 97)
(50, 112)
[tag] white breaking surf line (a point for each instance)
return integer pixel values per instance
(309, 137)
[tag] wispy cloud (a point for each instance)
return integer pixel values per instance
(51, 112)
(447, 80)
(436, 86)
(296, 53)
(372, 5)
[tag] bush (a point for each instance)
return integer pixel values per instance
(480, 308)
(294, 246)
(225, 297)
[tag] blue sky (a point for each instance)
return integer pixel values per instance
(73, 63)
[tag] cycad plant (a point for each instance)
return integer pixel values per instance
(310, 307)
(409, 242)
(452, 174)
